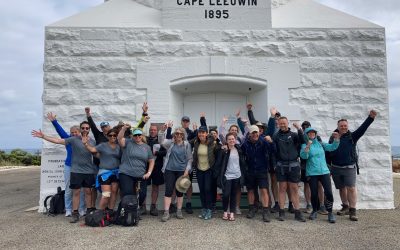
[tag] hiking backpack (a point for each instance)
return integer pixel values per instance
(57, 203)
(97, 218)
(127, 213)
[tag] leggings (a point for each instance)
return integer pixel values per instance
(204, 179)
(326, 184)
(229, 194)
(170, 180)
(127, 184)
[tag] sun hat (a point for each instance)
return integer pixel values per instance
(182, 184)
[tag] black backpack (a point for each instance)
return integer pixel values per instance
(127, 213)
(57, 203)
(97, 218)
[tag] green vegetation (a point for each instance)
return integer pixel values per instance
(18, 157)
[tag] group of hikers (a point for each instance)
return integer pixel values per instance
(269, 159)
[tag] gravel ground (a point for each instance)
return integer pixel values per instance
(30, 230)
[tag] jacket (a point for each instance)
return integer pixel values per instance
(212, 149)
(316, 163)
(61, 132)
(288, 145)
(222, 165)
(257, 155)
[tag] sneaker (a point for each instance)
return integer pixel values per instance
(68, 213)
(252, 212)
(313, 215)
(153, 210)
(238, 211)
(179, 214)
(309, 209)
(208, 214)
(331, 218)
(90, 209)
(298, 215)
(322, 210)
(291, 208)
(281, 216)
(165, 216)
(203, 213)
(188, 208)
(74, 217)
(82, 213)
(172, 208)
(352, 214)
(266, 214)
(142, 210)
(344, 210)
(275, 209)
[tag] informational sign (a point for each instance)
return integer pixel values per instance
(52, 176)
(221, 14)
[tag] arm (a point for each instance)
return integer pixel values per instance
(271, 122)
(358, 133)
(90, 148)
(303, 152)
(334, 145)
(151, 167)
(60, 131)
(96, 132)
(222, 130)
(39, 134)
(121, 137)
(203, 119)
(145, 117)
(241, 125)
(189, 157)
(250, 114)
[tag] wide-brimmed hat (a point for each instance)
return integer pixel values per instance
(182, 184)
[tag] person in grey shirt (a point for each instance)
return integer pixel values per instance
(109, 154)
(136, 155)
(82, 167)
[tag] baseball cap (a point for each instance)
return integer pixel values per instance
(137, 131)
(185, 118)
(203, 128)
(104, 124)
(253, 128)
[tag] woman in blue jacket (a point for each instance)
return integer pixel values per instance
(317, 169)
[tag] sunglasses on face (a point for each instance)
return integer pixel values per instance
(136, 135)
(112, 135)
(85, 128)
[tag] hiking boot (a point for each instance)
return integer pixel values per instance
(308, 209)
(313, 215)
(142, 210)
(153, 210)
(238, 211)
(281, 216)
(203, 213)
(188, 208)
(352, 214)
(252, 212)
(298, 215)
(179, 214)
(275, 209)
(165, 216)
(331, 218)
(74, 217)
(291, 208)
(344, 210)
(172, 208)
(322, 210)
(208, 214)
(266, 214)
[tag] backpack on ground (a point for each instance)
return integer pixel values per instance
(57, 203)
(97, 218)
(127, 213)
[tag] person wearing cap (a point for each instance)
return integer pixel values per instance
(177, 163)
(232, 169)
(136, 156)
(288, 145)
(204, 153)
(317, 170)
(257, 150)
(109, 154)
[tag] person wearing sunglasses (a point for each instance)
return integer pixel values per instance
(136, 155)
(178, 162)
(109, 154)
(82, 167)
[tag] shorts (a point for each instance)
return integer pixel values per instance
(284, 173)
(111, 179)
(79, 180)
(303, 177)
(170, 180)
(256, 180)
(344, 177)
(156, 177)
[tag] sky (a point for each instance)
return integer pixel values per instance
(22, 25)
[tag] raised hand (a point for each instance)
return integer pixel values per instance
(224, 119)
(87, 111)
(38, 134)
(51, 117)
(249, 106)
(268, 139)
(296, 125)
(373, 113)
(336, 136)
(238, 113)
(146, 118)
(164, 127)
(170, 124)
(273, 111)
(127, 126)
(145, 107)
(245, 121)
(203, 114)
(194, 125)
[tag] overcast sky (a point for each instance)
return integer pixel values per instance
(21, 58)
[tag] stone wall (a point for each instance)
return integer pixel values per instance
(343, 74)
